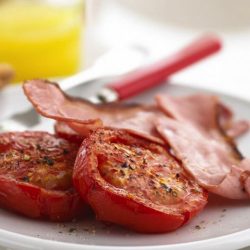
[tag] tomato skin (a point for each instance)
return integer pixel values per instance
(112, 205)
(34, 201)
(130, 213)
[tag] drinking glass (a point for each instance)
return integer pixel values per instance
(41, 38)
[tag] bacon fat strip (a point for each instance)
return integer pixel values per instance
(207, 153)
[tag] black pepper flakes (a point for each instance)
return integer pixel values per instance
(152, 184)
(48, 160)
(26, 179)
(71, 230)
(122, 172)
(125, 165)
(198, 227)
(168, 189)
(131, 167)
(65, 151)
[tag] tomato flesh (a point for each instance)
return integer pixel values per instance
(136, 183)
(36, 175)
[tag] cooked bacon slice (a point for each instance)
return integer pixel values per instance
(64, 131)
(194, 133)
(238, 128)
(84, 117)
(232, 128)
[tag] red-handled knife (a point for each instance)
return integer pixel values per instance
(155, 74)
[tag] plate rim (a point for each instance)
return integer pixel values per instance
(230, 241)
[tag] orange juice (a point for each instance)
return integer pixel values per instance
(40, 39)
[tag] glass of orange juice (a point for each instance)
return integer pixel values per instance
(41, 38)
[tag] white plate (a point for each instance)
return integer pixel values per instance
(224, 224)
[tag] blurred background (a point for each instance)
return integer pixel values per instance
(55, 38)
(164, 26)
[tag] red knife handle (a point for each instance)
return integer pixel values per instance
(156, 73)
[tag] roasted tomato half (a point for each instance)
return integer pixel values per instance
(133, 182)
(36, 175)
